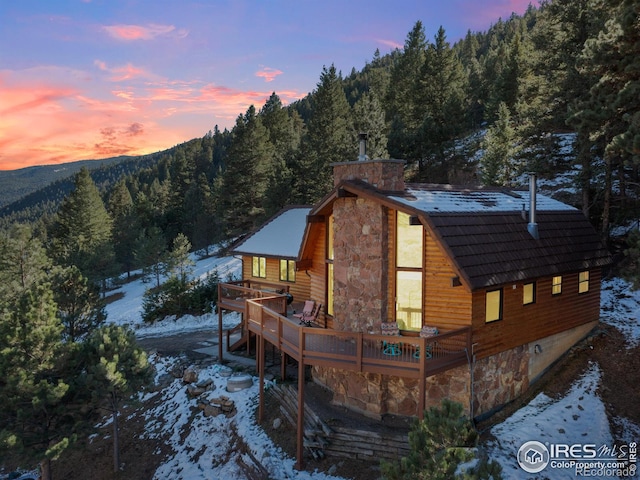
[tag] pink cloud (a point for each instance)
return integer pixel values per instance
(269, 74)
(121, 73)
(390, 43)
(139, 32)
(479, 15)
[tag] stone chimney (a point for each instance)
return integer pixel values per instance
(386, 175)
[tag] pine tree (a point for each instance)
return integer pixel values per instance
(81, 235)
(285, 132)
(125, 225)
(151, 253)
(80, 307)
(179, 263)
(370, 119)
(401, 102)
(23, 261)
(34, 417)
(330, 132)
(244, 180)
(116, 368)
(438, 445)
(608, 114)
(497, 161)
(441, 105)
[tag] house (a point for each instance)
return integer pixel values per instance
(270, 253)
(510, 279)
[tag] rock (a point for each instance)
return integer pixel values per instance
(206, 384)
(193, 391)
(277, 423)
(190, 375)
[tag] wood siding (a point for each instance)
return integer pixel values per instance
(550, 314)
(445, 305)
(299, 289)
(317, 273)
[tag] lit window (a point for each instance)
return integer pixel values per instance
(556, 286)
(494, 306)
(288, 270)
(409, 283)
(583, 282)
(528, 293)
(259, 267)
(329, 261)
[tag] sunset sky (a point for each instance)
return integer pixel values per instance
(90, 79)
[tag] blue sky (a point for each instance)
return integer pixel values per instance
(87, 79)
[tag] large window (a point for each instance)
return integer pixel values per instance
(409, 254)
(493, 310)
(288, 270)
(259, 267)
(556, 286)
(583, 282)
(528, 293)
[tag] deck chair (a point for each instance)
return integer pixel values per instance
(390, 329)
(426, 332)
(308, 317)
(307, 310)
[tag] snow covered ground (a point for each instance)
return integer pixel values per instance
(204, 449)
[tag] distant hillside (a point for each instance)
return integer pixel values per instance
(16, 184)
(28, 193)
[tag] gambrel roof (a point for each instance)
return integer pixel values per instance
(484, 230)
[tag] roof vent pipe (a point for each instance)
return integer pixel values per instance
(532, 227)
(362, 155)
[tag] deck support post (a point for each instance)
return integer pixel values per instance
(300, 427)
(260, 358)
(422, 384)
(219, 333)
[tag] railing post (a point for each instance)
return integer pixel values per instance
(422, 384)
(219, 325)
(300, 426)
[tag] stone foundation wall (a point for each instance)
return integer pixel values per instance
(375, 395)
(499, 379)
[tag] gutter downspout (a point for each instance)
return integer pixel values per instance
(532, 226)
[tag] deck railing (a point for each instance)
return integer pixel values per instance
(411, 357)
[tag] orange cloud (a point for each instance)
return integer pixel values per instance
(139, 32)
(62, 121)
(269, 74)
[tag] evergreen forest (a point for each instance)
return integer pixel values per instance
(483, 110)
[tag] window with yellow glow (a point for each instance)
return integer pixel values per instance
(259, 267)
(409, 299)
(409, 243)
(288, 270)
(583, 282)
(556, 286)
(409, 281)
(493, 309)
(329, 260)
(528, 293)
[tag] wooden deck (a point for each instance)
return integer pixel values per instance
(355, 351)
(264, 314)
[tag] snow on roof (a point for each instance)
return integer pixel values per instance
(279, 237)
(460, 201)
